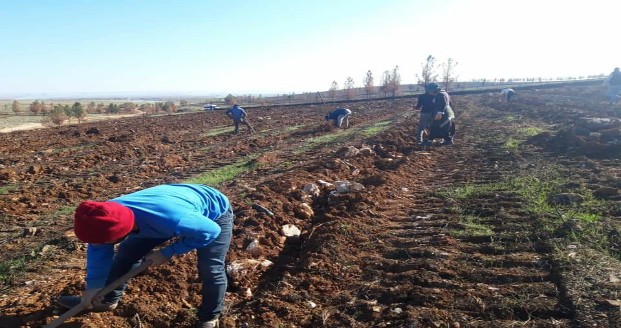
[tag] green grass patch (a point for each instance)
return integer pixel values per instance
(11, 269)
(376, 128)
(529, 131)
(471, 228)
(225, 173)
(218, 131)
(65, 210)
(333, 138)
(7, 189)
(511, 144)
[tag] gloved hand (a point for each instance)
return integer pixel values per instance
(438, 116)
(156, 258)
(88, 297)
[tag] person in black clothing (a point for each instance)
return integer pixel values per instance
(426, 105)
(440, 122)
(613, 81)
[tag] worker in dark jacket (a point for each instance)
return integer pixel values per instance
(613, 81)
(338, 116)
(195, 217)
(426, 105)
(238, 115)
(442, 121)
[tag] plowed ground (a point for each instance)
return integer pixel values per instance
(459, 236)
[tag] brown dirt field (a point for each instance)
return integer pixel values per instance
(453, 236)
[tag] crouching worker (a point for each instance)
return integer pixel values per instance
(441, 122)
(200, 217)
(442, 126)
(338, 116)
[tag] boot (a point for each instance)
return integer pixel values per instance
(214, 323)
(71, 301)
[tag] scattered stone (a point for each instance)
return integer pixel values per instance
(325, 184)
(311, 304)
(396, 310)
(366, 151)
(303, 211)
(29, 232)
(312, 189)
(290, 230)
(254, 244)
(346, 186)
(348, 152)
(239, 268)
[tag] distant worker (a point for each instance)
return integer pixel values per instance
(238, 115)
(613, 81)
(441, 122)
(507, 94)
(426, 105)
(338, 116)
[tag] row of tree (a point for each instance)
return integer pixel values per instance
(391, 80)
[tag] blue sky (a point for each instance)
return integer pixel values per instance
(240, 47)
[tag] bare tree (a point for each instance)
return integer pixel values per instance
(332, 91)
(448, 73)
(16, 107)
(368, 82)
(349, 88)
(34, 107)
(385, 87)
(429, 71)
(395, 81)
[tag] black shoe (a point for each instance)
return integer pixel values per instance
(72, 301)
(447, 143)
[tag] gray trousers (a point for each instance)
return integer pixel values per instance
(423, 122)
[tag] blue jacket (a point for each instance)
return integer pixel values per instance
(236, 113)
(337, 112)
(187, 211)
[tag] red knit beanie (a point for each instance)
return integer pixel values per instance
(102, 222)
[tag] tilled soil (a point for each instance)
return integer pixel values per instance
(402, 252)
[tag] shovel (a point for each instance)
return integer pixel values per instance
(113, 285)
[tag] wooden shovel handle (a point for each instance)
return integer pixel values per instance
(110, 287)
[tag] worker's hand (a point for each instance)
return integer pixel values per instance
(156, 258)
(88, 297)
(438, 116)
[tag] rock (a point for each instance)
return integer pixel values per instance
(312, 189)
(303, 211)
(290, 230)
(239, 268)
(346, 186)
(254, 244)
(366, 151)
(347, 152)
(325, 184)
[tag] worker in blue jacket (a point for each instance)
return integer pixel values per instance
(238, 115)
(338, 116)
(198, 217)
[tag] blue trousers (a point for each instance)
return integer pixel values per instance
(211, 266)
